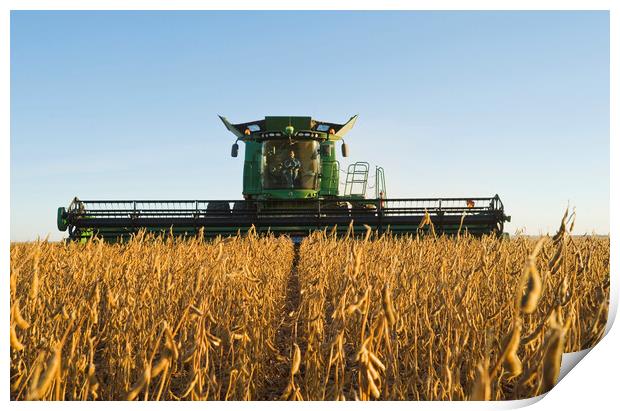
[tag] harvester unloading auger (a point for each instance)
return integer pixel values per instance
(291, 185)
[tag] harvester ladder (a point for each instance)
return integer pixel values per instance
(357, 179)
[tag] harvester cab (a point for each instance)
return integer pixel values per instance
(290, 158)
(291, 185)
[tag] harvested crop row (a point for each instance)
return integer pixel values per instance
(438, 318)
(149, 319)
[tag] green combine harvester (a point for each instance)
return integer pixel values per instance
(291, 185)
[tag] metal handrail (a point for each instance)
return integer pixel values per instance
(359, 168)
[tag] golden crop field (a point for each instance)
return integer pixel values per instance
(246, 318)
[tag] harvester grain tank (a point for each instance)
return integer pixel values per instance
(292, 182)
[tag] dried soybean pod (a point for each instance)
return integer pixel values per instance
(388, 306)
(512, 362)
(552, 359)
(15, 343)
(481, 388)
(45, 381)
(533, 289)
(296, 360)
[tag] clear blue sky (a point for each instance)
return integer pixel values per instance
(123, 105)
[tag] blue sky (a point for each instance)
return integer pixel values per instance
(123, 105)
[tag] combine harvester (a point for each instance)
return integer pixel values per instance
(291, 181)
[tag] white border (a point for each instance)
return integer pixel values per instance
(593, 383)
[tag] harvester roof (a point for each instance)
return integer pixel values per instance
(298, 125)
